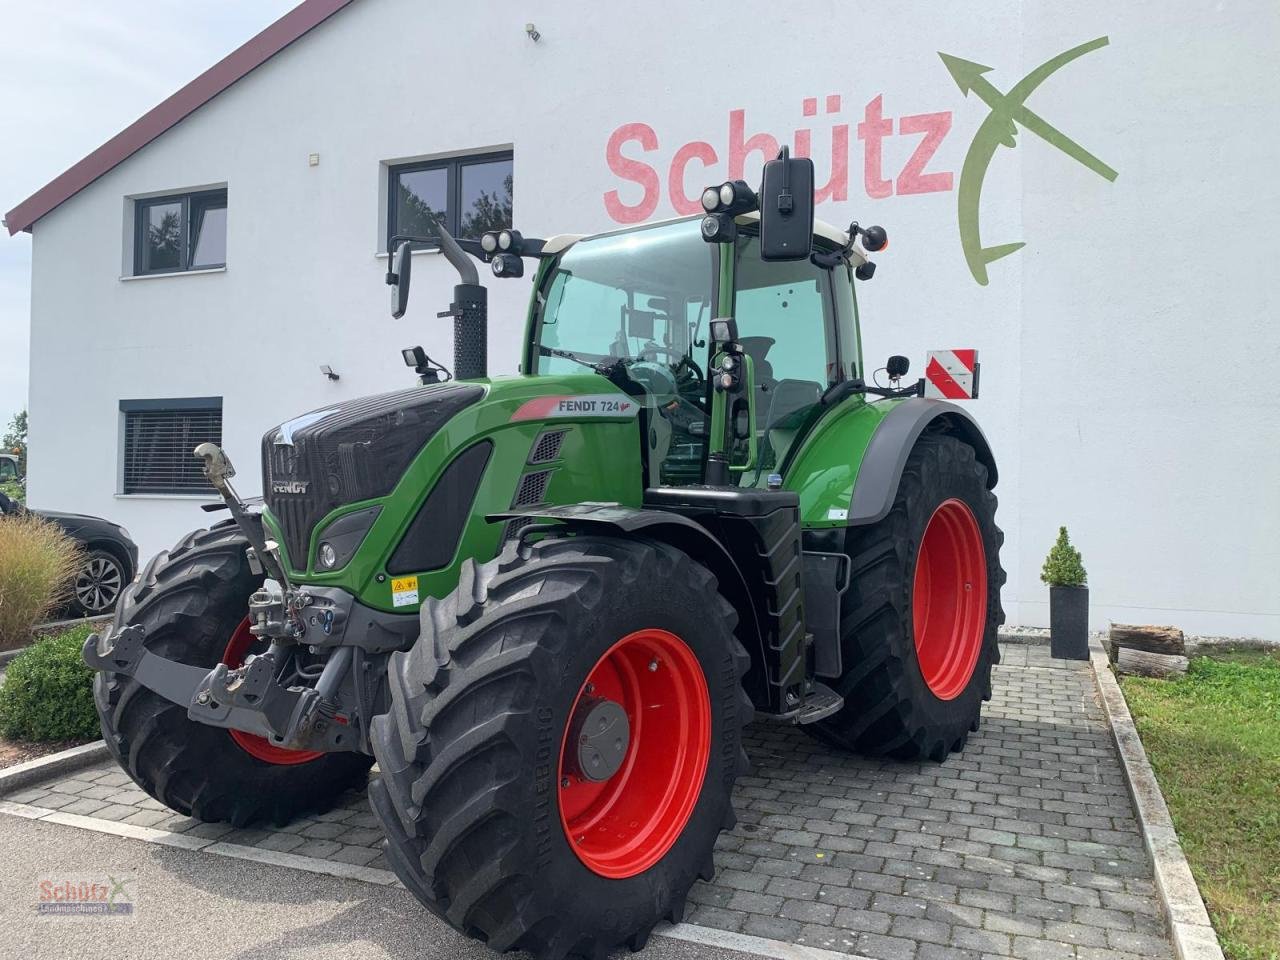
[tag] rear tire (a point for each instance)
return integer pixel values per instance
(901, 701)
(191, 601)
(473, 795)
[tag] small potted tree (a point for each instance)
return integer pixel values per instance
(1064, 572)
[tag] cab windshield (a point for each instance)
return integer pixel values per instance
(643, 297)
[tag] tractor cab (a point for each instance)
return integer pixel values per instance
(642, 301)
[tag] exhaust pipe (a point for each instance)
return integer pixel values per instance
(470, 312)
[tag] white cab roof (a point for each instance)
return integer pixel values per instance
(833, 234)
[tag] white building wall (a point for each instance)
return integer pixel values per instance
(1109, 343)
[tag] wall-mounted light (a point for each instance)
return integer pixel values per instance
(313, 159)
(532, 31)
(328, 372)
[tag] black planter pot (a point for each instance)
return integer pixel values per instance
(1069, 623)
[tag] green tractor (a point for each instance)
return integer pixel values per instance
(548, 604)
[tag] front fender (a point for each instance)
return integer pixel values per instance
(848, 467)
(684, 534)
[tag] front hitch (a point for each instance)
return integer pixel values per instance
(247, 698)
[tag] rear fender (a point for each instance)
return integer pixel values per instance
(848, 468)
(891, 444)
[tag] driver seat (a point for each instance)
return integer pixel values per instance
(789, 400)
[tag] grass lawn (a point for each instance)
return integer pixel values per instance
(1213, 737)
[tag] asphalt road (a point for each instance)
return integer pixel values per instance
(191, 904)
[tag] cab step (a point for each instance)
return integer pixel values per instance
(820, 703)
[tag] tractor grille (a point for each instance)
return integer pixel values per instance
(514, 527)
(532, 489)
(547, 447)
(347, 452)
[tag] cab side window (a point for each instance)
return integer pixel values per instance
(784, 315)
(786, 324)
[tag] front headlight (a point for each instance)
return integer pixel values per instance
(124, 533)
(338, 542)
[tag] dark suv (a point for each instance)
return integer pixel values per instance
(111, 557)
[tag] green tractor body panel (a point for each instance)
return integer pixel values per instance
(825, 469)
(598, 458)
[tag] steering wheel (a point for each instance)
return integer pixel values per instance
(679, 358)
(658, 380)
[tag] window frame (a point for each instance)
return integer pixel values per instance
(173, 405)
(452, 165)
(187, 201)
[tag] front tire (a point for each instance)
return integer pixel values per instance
(192, 602)
(492, 817)
(920, 618)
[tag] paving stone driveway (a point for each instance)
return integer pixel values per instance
(1024, 846)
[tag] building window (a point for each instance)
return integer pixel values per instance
(183, 232)
(469, 194)
(159, 439)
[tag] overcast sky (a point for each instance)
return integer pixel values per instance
(74, 73)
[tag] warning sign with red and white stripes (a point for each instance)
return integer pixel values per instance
(951, 375)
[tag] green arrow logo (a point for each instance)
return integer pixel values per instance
(1008, 110)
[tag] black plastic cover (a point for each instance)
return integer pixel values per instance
(432, 537)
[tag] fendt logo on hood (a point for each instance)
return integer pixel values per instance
(290, 486)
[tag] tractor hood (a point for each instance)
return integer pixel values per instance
(349, 451)
(397, 487)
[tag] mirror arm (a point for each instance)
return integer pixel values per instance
(532, 248)
(453, 252)
(847, 388)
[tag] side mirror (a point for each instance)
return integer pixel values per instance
(786, 208)
(399, 279)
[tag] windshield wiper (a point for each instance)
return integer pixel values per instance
(566, 355)
(613, 369)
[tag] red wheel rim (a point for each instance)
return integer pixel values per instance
(949, 599)
(624, 825)
(259, 747)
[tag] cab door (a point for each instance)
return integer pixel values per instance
(801, 339)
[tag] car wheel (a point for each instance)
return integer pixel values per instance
(98, 584)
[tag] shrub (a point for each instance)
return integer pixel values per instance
(47, 693)
(1063, 567)
(38, 563)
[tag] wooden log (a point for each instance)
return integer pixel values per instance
(1168, 640)
(1141, 663)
